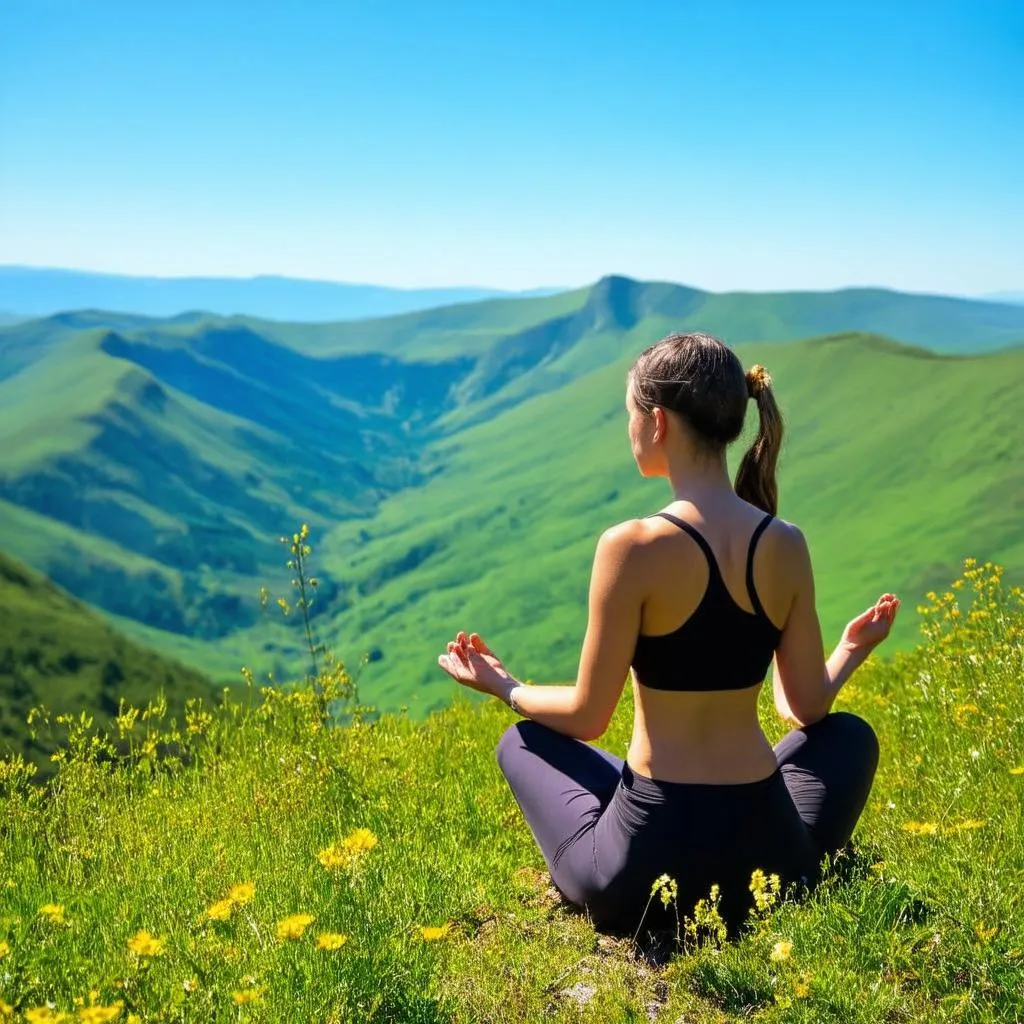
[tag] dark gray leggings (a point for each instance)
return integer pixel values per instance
(607, 833)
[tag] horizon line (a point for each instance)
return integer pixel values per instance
(532, 291)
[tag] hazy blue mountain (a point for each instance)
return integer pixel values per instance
(32, 291)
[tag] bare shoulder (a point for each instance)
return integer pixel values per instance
(625, 537)
(788, 536)
(623, 545)
(789, 546)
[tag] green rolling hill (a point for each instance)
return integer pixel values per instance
(57, 652)
(148, 466)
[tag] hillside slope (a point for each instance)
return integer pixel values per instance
(56, 652)
(896, 462)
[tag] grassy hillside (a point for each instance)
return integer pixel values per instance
(56, 652)
(226, 891)
(896, 461)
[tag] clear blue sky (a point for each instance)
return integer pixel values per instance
(722, 144)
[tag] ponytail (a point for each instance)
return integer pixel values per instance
(755, 480)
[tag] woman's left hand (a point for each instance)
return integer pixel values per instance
(470, 661)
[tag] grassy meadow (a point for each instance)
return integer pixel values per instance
(245, 862)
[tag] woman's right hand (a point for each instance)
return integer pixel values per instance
(872, 626)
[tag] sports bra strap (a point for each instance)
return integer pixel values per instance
(754, 599)
(697, 536)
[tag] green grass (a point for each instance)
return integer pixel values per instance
(58, 653)
(924, 923)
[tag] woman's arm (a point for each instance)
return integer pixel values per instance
(615, 601)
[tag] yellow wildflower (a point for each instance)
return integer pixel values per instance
(961, 711)
(220, 911)
(781, 950)
(6, 1011)
(5, 948)
(54, 912)
(249, 995)
(100, 1014)
(347, 852)
(330, 940)
(801, 987)
(292, 927)
(964, 826)
(1019, 770)
(920, 828)
(142, 943)
(984, 933)
(44, 1015)
(241, 893)
(431, 934)
(765, 889)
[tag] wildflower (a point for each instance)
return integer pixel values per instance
(220, 911)
(292, 927)
(920, 828)
(801, 987)
(330, 940)
(706, 916)
(53, 912)
(1019, 770)
(6, 1011)
(665, 886)
(252, 995)
(5, 948)
(190, 984)
(44, 1015)
(241, 893)
(349, 851)
(142, 943)
(100, 1014)
(962, 711)
(964, 826)
(781, 950)
(984, 933)
(431, 934)
(765, 889)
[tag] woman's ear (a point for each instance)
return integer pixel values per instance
(660, 424)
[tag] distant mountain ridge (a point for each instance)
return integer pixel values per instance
(43, 291)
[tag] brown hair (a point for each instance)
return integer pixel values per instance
(701, 379)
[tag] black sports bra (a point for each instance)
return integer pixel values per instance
(721, 646)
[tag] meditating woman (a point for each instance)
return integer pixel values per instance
(695, 603)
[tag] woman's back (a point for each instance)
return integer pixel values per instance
(716, 599)
(695, 603)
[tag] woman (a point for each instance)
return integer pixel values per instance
(697, 601)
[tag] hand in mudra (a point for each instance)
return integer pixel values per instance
(872, 626)
(472, 663)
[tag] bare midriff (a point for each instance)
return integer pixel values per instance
(699, 736)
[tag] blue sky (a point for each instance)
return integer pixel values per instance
(727, 145)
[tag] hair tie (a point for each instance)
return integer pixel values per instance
(758, 379)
